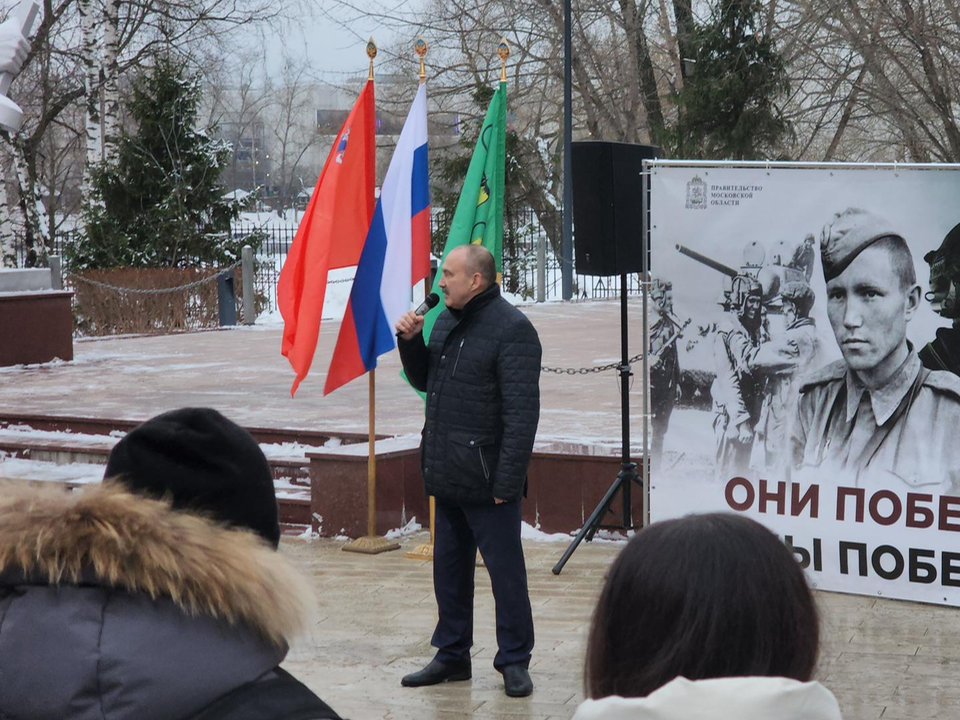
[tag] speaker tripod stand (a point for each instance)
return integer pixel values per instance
(623, 485)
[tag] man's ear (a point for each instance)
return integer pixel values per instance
(913, 301)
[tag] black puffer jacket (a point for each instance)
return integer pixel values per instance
(481, 374)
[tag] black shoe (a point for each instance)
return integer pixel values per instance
(516, 681)
(439, 671)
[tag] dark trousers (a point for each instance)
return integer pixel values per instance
(495, 529)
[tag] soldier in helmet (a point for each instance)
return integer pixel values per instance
(736, 387)
(876, 418)
(783, 362)
(943, 353)
(665, 371)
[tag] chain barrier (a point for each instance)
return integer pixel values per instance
(588, 370)
(153, 291)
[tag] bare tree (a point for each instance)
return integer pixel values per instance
(237, 93)
(111, 79)
(624, 71)
(36, 248)
(8, 247)
(870, 80)
(293, 125)
(873, 80)
(68, 67)
(90, 53)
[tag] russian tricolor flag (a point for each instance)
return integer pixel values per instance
(396, 255)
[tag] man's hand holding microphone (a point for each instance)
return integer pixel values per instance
(411, 323)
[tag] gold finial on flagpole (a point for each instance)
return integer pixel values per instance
(503, 50)
(371, 53)
(420, 47)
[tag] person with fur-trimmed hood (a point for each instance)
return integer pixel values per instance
(157, 595)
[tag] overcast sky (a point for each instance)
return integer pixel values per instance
(333, 39)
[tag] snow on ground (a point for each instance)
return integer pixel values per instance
(267, 320)
(308, 534)
(527, 532)
(40, 471)
(297, 450)
(286, 489)
(13, 434)
(410, 528)
(88, 473)
(37, 366)
(96, 356)
(392, 444)
(534, 533)
(270, 220)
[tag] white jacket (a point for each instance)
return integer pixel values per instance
(740, 698)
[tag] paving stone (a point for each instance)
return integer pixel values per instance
(883, 659)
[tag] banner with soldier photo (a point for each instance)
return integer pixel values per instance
(804, 365)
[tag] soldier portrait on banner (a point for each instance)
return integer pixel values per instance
(817, 382)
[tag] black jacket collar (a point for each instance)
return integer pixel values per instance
(477, 302)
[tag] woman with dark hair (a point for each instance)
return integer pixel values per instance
(705, 616)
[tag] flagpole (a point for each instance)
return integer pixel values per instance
(372, 544)
(424, 551)
(372, 456)
(503, 52)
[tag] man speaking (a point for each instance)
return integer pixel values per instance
(481, 376)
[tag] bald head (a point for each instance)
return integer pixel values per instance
(467, 271)
(477, 259)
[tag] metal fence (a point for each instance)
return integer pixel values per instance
(520, 271)
(269, 254)
(525, 232)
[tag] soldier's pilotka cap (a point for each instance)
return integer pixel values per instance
(849, 234)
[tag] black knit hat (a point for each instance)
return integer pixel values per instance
(203, 462)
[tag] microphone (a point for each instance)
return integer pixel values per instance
(428, 304)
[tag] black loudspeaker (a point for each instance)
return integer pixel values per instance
(608, 206)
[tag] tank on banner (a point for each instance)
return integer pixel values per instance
(815, 381)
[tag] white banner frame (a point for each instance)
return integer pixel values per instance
(885, 556)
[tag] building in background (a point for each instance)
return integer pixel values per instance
(281, 135)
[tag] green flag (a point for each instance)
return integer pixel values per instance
(478, 218)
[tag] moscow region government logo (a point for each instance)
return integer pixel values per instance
(696, 194)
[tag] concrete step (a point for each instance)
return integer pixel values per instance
(65, 448)
(293, 497)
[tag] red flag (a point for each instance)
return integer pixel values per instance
(331, 233)
(395, 256)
